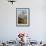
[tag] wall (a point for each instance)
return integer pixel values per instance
(37, 29)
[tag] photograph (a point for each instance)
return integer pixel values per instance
(22, 16)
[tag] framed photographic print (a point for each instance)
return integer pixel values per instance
(22, 16)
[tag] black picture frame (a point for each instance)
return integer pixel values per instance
(22, 17)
